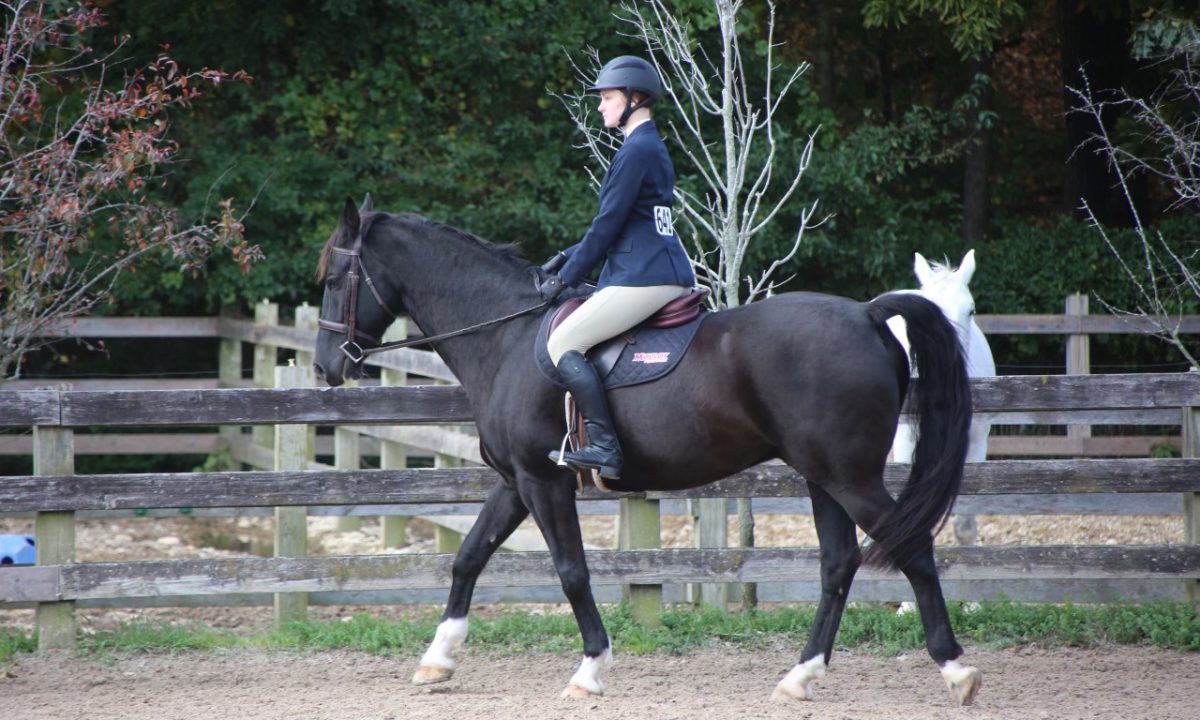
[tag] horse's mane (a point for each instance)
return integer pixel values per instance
(941, 268)
(509, 253)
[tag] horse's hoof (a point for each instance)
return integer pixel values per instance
(797, 684)
(430, 674)
(577, 692)
(784, 695)
(963, 681)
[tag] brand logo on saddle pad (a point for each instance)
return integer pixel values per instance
(663, 223)
(651, 358)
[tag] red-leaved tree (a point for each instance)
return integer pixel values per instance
(83, 137)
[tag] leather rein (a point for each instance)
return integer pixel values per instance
(349, 324)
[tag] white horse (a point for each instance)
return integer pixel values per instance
(947, 287)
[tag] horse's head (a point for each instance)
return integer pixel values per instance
(947, 288)
(355, 310)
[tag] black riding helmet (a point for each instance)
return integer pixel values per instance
(629, 74)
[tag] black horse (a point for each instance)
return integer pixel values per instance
(815, 380)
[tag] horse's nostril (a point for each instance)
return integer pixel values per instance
(320, 371)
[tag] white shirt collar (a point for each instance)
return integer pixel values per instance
(634, 125)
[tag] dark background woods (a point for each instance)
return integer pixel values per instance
(936, 136)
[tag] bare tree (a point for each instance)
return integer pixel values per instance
(728, 132)
(80, 147)
(1168, 149)
(727, 129)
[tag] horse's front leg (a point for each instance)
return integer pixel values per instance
(552, 502)
(502, 512)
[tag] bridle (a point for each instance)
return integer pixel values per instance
(349, 325)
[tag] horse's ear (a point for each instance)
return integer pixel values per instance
(368, 204)
(350, 222)
(921, 268)
(967, 269)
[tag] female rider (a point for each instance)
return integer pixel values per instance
(645, 266)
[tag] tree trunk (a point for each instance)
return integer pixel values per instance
(825, 11)
(1097, 43)
(977, 166)
(884, 54)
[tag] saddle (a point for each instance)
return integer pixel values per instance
(646, 352)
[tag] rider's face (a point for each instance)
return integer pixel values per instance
(612, 104)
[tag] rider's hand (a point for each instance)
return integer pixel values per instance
(551, 287)
(555, 263)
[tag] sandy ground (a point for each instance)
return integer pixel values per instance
(1018, 684)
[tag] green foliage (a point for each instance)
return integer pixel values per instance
(1164, 33)
(881, 184)
(438, 108)
(973, 25)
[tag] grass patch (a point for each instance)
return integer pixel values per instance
(157, 638)
(13, 641)
(869, 627)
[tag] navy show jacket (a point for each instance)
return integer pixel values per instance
(633, 231)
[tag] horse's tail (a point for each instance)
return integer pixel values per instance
(941, 397)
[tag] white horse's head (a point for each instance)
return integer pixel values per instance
(947, 288)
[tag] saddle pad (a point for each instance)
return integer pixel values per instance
(653, 353)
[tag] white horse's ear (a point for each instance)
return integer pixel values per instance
(967, 269)
(921, 268)
(368, 204)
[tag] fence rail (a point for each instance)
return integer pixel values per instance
(398, 416)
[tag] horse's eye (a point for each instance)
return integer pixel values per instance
(333, 283)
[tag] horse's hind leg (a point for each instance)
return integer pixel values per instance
(502, 512)
(869, 507)
(962, 680)
(840, 558)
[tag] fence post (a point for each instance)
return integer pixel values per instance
(1079, 362)
(54, 454)
(447, 540)
(1191, 501)
(266, 314)
(394, 455)
(291, 523)
(639, 527)
(229, 374)
(306, 319)
(347, 455)
(711, 516)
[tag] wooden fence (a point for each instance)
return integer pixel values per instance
(55, 494)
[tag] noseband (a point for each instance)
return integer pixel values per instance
(349, 324)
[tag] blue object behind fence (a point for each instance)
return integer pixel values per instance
(17, 550)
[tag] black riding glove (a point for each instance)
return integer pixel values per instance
(555, 263)
(551, 288)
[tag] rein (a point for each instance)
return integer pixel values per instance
(356, 352)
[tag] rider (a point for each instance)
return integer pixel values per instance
(645, 266)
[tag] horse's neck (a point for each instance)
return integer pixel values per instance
(465, 287)
(980, 362)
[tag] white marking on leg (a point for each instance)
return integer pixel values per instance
(962, 680)
(797, 684)
(588, 677)
(447, 641)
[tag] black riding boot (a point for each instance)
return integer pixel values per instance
(602, 452)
